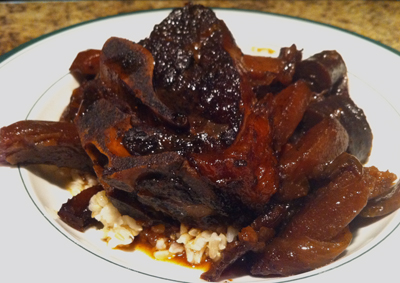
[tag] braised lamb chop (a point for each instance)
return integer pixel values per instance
(185, 134)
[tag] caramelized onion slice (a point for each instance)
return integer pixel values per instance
(383, 205)
(321, 144)
(86, 65)
(380, 183)
(288, 107)
(350, 116)
(307, 158)
(330, 208)
(289, 256)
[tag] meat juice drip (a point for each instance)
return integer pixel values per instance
(146, 241)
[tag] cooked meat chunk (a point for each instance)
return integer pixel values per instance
(43, 142)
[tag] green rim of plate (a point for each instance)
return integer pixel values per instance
(42, 37)
(23, 46)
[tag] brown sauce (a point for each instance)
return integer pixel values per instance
(143, 243)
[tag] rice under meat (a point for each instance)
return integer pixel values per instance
(80, 181)
(120, 230)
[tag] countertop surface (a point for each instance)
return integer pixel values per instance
(24, 21)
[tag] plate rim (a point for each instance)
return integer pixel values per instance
(24, 46)
(31, 42)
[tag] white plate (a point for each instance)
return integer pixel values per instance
(35, 84)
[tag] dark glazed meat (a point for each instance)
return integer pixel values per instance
(199, 78)
(42, 142)
(194, 73)
(129, 67)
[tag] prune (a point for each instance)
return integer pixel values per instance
(288, 107)
(383, 204)
(289, 256)
(322, 70)
(350, 116)
(75, 211)
(305, 159)
(86, 65)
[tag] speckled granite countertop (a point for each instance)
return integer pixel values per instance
(23, 21)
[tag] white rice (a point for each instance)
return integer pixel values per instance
(80, 181)
(120, 230)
